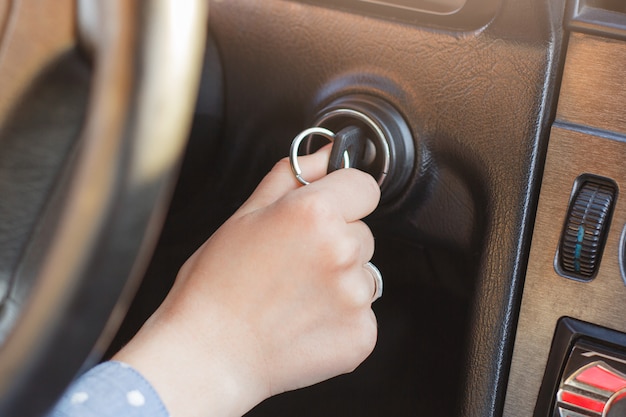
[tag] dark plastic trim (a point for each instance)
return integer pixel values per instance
(597, 17)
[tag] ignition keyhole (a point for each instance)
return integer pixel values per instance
(374, 137)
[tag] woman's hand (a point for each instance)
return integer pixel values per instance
(276, 299)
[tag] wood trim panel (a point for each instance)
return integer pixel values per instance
(592, 91)
(549, 296)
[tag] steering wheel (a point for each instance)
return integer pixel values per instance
(96, 98)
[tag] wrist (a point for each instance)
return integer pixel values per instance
(195, 374)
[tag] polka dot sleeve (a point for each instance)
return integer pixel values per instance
(110, 389)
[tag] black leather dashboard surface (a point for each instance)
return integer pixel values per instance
(453, 246)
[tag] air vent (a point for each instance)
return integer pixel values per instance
(586, 228)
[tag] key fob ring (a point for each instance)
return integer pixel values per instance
(295, 146)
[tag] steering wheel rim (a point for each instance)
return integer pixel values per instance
(83, 264)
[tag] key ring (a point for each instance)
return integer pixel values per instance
(295, 145)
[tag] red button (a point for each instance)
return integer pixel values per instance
(591, 390)
(602, 378)
(582, 402)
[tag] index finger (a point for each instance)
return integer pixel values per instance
(281, 180)
(355, 192)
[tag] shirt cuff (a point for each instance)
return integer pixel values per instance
(111, 389)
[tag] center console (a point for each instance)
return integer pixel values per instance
(570, 348)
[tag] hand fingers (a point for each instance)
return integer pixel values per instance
(358, 287)
(362, 232)
(354, 282)
(355, 193)
(280, 180)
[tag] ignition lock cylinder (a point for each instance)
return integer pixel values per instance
(368, 134)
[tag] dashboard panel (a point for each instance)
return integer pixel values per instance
(477, 94)
(478, 83)
(434, 6)
(448, 14)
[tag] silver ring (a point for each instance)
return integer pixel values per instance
(378, 280)
(295, 145)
